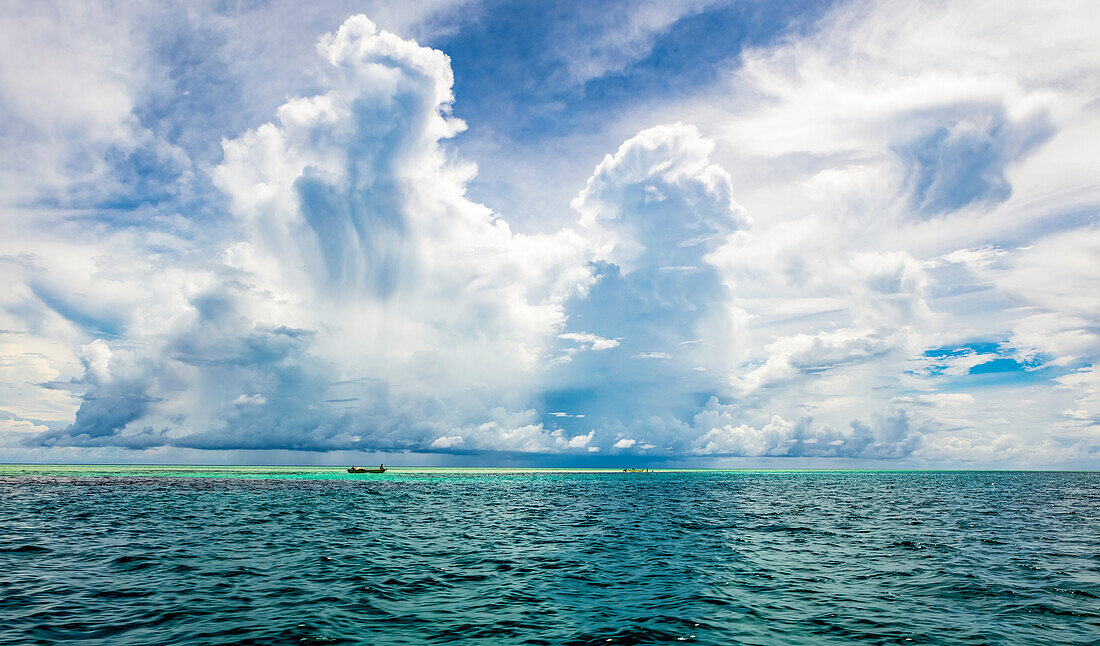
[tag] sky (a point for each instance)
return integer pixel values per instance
(646, 233)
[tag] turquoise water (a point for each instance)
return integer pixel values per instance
(215, 555)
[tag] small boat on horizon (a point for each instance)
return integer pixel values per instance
(380, 469)
(633, 470)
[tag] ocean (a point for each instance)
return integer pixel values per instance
(281, 555)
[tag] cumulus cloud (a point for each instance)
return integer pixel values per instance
(721, 434)
(577, 441)
(660, 197)
(446, 441)
(356, 271)
(586, 341)
(653, 210)
(805, 353)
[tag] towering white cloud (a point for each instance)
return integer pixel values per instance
(360, 299)
(659, 200)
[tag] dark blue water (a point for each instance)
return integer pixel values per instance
(706, 558)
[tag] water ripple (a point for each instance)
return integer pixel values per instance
(290, 557)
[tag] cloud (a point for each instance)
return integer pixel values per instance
(117, 394)
(11, 424)
(946, 399)
(625, 443)
(804, 353)
(577, 441)
(249, 400)
(720, 434)
(658, 199)
(69, 99)
(1050, 282)
(964, 163)
(446, 441)
(597, 43)
(1085, 384)
(588, 341)
(657, 202)
(344, 211)
(1057, 272)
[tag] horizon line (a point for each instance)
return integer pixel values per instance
(555, 468)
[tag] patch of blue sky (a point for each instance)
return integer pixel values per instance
(1000, 365)
(997, 365)
(1002, 373)
(980, 347)
(514, 66)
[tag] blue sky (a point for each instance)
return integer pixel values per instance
(694, 233)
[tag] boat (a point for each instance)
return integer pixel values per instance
(645, 470)
(380, 469)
